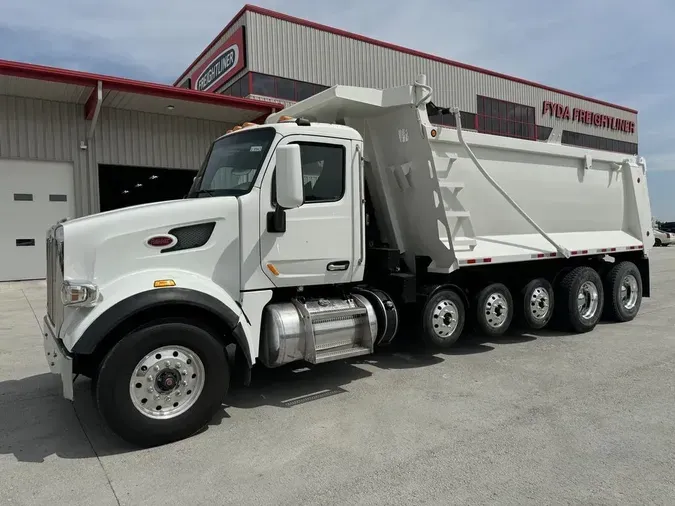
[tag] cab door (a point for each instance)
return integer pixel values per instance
(317, 246)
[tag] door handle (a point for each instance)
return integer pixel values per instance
(342, 265)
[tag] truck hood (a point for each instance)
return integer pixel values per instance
(105, 246)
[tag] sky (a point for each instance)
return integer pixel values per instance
(615, 50)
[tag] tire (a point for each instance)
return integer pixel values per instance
(623, 292)
(569, 314)
(443, 319)
(658, 243)
(536, 304)
(494, 310)
(132, 363)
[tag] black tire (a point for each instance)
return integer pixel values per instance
(567, 312)
(113, 384)
(658, 243)
(494, 310)
(536, 304)
(443, 319)
(623, 292)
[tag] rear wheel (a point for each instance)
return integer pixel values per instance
(536, 304)
(162, 383)
(623, 292)
(580, 299)
(494, 310)
(443, 319)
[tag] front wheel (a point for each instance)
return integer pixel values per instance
(162, 383)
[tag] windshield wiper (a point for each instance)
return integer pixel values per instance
(210, 193)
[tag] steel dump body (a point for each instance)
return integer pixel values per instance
(432, 199)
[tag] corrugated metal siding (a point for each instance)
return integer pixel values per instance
(40, 130)
(35, 129)
(154, 140)
(46, 130)
(238, 24)
(285, 49)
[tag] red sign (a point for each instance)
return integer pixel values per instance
(587, 117)
(226, 60)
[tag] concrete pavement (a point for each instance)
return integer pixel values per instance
(534, 419)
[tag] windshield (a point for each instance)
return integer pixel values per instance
(233, 164)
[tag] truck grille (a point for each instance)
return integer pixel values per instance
(54, 280)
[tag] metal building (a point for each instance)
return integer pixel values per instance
(267, 55)
(73, 143)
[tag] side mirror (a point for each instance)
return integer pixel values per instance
(290, 191)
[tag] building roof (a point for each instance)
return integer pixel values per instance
(50, 83)
(394, 47)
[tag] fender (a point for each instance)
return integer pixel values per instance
(433, 289)
(128, 307)
(85, 328)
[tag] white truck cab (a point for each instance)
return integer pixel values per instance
(310, 237)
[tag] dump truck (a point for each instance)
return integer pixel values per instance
(321, 233)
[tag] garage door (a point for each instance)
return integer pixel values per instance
(33, 196)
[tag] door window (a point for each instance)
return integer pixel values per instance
(323, 173)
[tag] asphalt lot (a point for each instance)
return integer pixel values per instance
(533, 419)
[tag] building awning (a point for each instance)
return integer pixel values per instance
(49, 83)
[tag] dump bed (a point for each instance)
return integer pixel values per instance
(464, 198)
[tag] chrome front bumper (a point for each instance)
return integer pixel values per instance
(58, 359)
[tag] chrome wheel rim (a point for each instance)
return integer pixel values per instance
(587, 300)
(629, 292)
(496, 310)
(445, 318)
(540, 303)
(167, 382)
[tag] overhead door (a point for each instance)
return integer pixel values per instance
(33, 196)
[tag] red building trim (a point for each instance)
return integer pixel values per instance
(214, 42)
(43, 73)
(394, 47)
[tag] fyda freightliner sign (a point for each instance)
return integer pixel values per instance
(579, 115)
(226, 61)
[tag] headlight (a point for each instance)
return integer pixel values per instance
(58, 233)
(79, 293)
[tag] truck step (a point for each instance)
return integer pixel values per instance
(451, 185)
(458, 214)
(329, 356)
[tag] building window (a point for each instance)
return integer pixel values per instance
(442, 116)
(498, 117)
(600, 143)
(285, 88)
(264, 85)
(282, 88)
(543, 132)
(239, 88)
